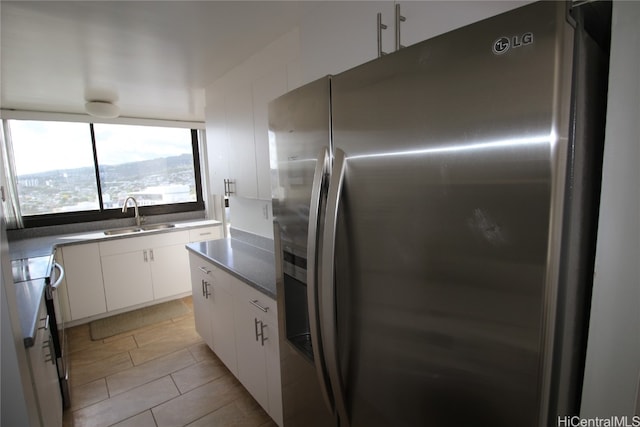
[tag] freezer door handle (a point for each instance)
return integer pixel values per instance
(315, 216)
(327, 288)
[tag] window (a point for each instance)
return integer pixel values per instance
(72, 172)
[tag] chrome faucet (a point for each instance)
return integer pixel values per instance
(135, 206)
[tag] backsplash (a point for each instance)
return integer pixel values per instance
(86, 227)
(252, 239)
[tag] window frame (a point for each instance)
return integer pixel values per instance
(102, 214)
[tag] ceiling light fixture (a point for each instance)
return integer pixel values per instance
(102, 109)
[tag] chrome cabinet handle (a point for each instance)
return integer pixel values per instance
(327, 290)
(256, 303)
(151, 254)
(144, 255)
(227, 187)
(380, 26)
(263, 338)
(202, 286)
(399, 19)
(259, 335)
(204, 270)
(207, 294)
(318, 195)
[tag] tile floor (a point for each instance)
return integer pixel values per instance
(161, 375)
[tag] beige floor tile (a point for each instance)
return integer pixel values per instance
(88, 394)
(199, 374)
(144, 419)
(184, 326)
(132, 332)
(201, 351)
(79, 338)
(147, 372)
(101, 351)
(126, 405)
(198, 402)
(166, 344)
(242, 412)
(85, 373)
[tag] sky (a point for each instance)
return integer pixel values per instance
(45, 146)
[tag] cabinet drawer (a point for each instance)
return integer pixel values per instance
(205, 233)
(202, 269)
(255, 300)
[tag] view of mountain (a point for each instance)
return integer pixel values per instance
(76, 189)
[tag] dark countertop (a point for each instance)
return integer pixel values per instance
(25, 269)
(252, 265)
(29, 296)
(42, 246)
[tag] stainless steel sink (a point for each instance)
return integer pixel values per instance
(158, 226)
(125, 230)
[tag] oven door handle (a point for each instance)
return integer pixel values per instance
(60, 276)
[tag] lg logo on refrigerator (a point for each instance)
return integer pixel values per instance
(503, 44)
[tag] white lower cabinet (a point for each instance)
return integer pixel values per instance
(44, 373)
(115, 274)
(83, 280)
(213, 308)
(257, 343)
(240, 325)
(128, 266)
(169, 271)
(127, 279)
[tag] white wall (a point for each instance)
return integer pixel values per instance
(613, 351)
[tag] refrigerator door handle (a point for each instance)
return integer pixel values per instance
(328, 315)
(321, 170)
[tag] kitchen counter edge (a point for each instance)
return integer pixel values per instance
(252, 265)
(38, 246)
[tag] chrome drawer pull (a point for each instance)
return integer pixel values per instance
(257, 304)
(204, 270)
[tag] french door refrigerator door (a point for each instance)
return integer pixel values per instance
(299, 135)
(446, 229)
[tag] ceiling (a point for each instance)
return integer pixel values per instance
(153, 58)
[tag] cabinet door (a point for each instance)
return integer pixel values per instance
(127, 279)
(201, 305)
(264, 90)
(272, 354)
(217, 138)
(252, 368)
(427, 19)
(242, 151)
(169, 271)
(83, 276)
(44, 374)
(222, 327)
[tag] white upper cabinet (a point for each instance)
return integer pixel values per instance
(427, 19)
(242, 151)
(217, 139)
(264, 90)
(236, 118)
(337, 36)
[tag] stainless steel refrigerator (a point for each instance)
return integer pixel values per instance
(434, 215)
